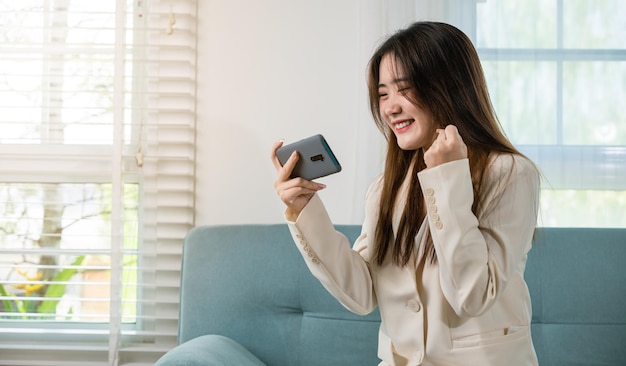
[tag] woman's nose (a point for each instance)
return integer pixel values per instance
(392, 105)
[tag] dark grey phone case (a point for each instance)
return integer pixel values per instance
(316, 158)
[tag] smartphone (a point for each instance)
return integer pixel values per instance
(316, 158)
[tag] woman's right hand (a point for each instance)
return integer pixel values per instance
(294, 192)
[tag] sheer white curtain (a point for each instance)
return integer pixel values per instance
(97, 151)
(556, 72)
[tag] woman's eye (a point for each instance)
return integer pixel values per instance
(382, 95)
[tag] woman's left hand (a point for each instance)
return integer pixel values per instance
(448, 146)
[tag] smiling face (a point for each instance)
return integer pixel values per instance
(413, 126)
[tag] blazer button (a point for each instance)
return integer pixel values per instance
(413, 305)
(429, 192)
(439, 225)
(418, 357)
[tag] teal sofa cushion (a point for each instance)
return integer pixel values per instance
(577, 283)
(210, 350)
(249, 283)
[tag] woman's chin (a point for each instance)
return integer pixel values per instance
(408, 146)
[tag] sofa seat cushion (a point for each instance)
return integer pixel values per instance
(210, 350)
(249, 283)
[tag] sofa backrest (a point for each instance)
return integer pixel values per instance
(577, 283)
(249, 283)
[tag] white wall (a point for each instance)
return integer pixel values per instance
(272, 69)
(275, 69)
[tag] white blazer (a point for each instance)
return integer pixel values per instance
(471, 307)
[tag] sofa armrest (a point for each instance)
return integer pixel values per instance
(209, 350)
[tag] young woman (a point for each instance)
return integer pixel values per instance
(449, 223)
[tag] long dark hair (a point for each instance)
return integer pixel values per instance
(446, 78)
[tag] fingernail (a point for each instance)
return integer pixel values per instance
(322, 186)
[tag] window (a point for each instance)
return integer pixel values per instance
(97, 123)
(556, 71)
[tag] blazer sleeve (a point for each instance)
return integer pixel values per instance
(478, 255)
(343, 270)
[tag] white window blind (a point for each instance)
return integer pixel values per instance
(556, 72)
(97, 144)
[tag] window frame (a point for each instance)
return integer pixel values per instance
(565, 166)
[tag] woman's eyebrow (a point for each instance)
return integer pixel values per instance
(395, 81)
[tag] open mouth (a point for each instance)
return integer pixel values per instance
(401, 125)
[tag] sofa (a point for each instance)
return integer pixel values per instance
(248, 299)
